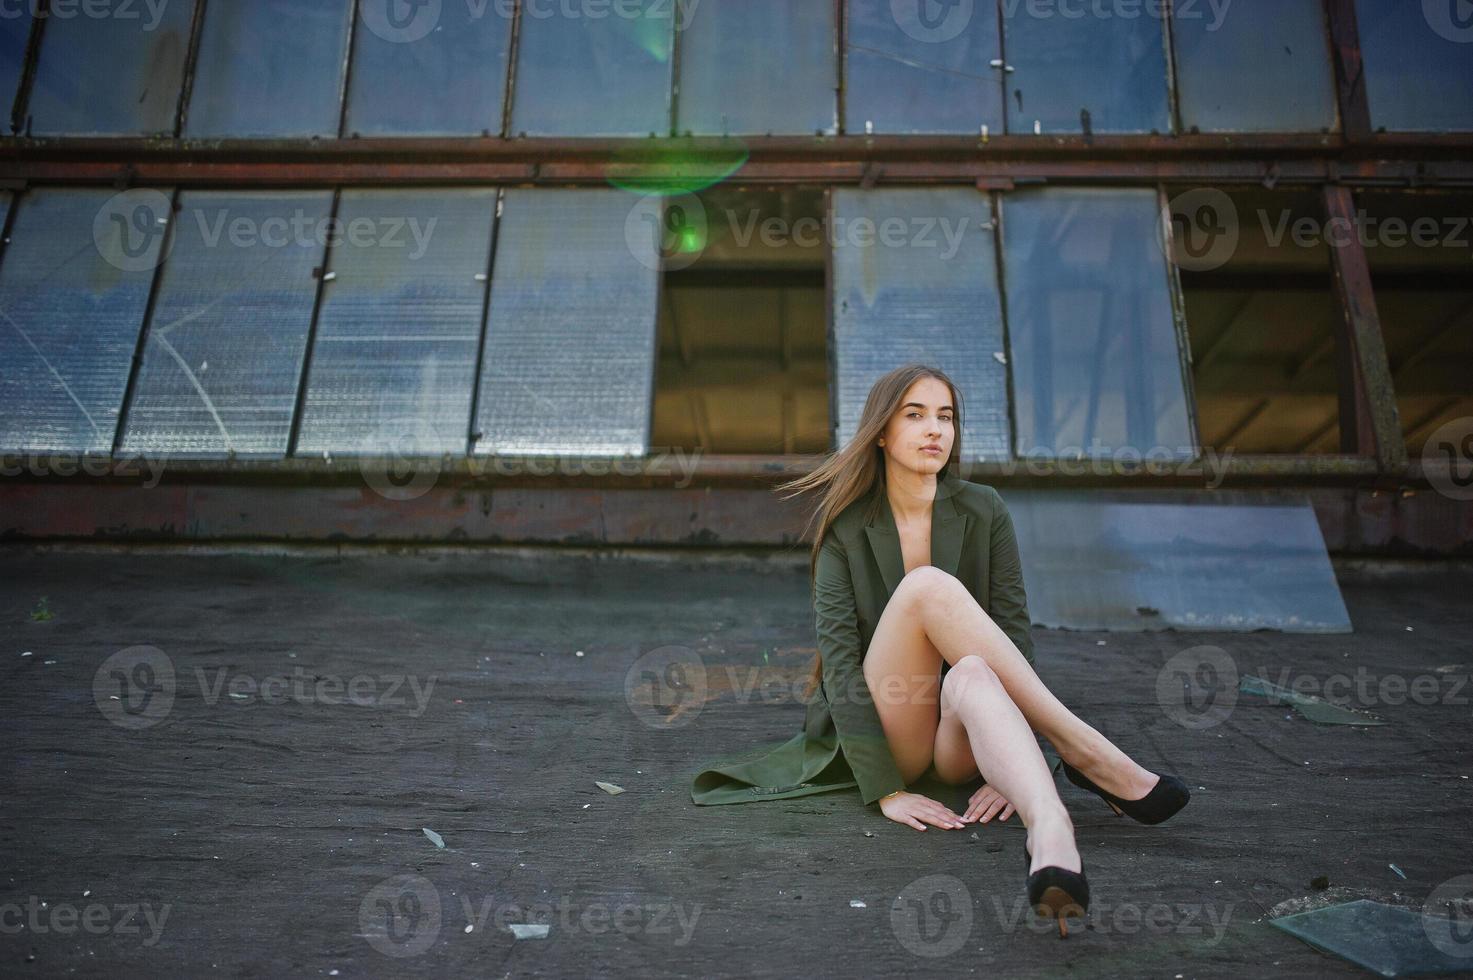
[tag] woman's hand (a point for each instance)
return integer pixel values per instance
(912, 808)
(987, 803)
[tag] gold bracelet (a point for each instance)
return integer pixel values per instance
(888, 795)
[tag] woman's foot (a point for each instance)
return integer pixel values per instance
(1051, 842)
(1114, 771)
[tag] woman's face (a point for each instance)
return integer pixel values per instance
(924, 419)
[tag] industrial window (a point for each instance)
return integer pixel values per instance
(1261, 318)
(905, 73)
(15, 32)
(440, 72)
(74, 282)
(1074, 71)
(1238, 70)
(1418, 64)
(570, 336)
(223, 350)
(270, 68)
(742, 364)
(394, 351)
(594, 76)
(112, 76)
(915, 279)
(1417, 245)
(1095, 358)
(756, 67)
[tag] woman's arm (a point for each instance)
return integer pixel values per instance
(1007, 603)
(861, 736)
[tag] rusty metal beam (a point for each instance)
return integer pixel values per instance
(1368, 414)
(1350, 77)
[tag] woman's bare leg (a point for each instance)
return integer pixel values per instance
(977, 721)
(958, 627)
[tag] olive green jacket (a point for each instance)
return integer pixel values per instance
(842, 743)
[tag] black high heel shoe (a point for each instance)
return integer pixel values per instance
(1056, 891)
(1165, 798)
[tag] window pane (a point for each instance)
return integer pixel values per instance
(223, 351)
(15, 31)
(1243, 70)
(439, 72)
(1095, 359)
(1177, 559)
(579, 75)
(395, 350)
(757, 67)
(1418, 63)
(113, 75)
(907, 74)
(570, 340)
(915, 279)
(1070, 60)
(74, 283)
(270, 68)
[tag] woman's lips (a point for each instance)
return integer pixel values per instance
(933, 452)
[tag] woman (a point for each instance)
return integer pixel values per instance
(924, 658)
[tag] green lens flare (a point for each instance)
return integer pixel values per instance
(671, 168)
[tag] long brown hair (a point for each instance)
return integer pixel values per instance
(858, 469)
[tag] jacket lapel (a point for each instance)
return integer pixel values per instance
(948, 530)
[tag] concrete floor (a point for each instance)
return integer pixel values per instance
(267, 820)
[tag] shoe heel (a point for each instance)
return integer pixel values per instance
(1052, 892)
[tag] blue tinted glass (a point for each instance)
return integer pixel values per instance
(1241, 69)
(112, 76)
(1095, 359)
(395, 351)
(570, 339)
(915, 279)
(911, 71)
(74, 283)
(1175, 559)
(223, 352)
(1418, 63)
(15, 31)
(270, 68)
(429, 69)
(757, 67)
(581, 75)
(1106, 60)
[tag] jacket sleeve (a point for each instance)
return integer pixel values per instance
(1007, 603)
(857, 721)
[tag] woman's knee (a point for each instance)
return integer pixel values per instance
(968, 675)
(924, 582)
